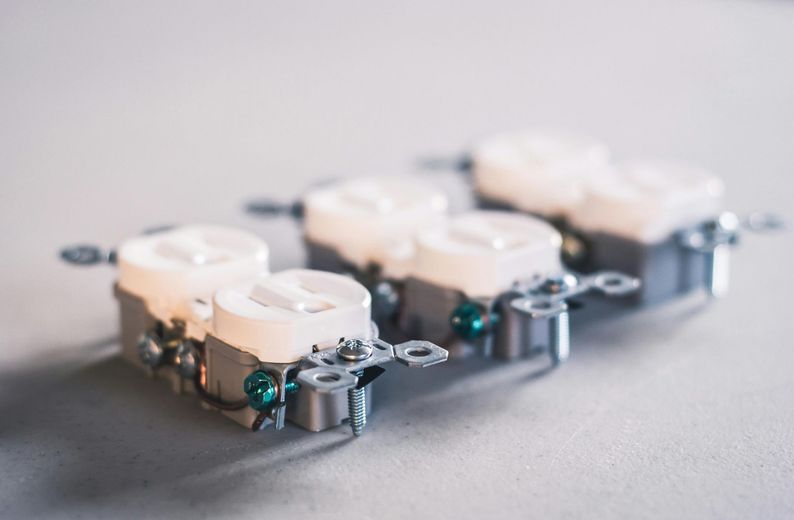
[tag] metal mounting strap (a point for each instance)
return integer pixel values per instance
(561, 287)
(330, 372)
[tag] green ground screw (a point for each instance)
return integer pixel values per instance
(469, 320)
(262, 390)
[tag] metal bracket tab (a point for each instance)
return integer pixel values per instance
(567, 285)
(419, 354)
(545, 300)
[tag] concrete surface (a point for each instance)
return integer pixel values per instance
(119, 116)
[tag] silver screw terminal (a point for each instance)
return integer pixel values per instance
(187, 359)
(717, 270)
(559, 324)
(150, 349)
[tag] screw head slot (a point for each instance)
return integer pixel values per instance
(354, 350)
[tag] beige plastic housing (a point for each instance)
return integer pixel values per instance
(539, 172)
(372, 220)
(175, 272)
(649, 201)
(279, 318)
(482, 253)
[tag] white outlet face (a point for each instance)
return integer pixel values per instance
(482, 253)
(171, 269)
(649, 201)
(539, 172)
(279, 317)
(372, 220)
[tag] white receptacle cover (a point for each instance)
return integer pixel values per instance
(482, 253)
(171, 269)
(648, 201)
(279, 317)
(535, 171)
(372, 220)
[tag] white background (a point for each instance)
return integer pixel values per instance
(115, 117)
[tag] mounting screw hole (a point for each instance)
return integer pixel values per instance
(418, 352)
(327, 377)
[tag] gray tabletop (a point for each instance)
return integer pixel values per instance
(115, 117)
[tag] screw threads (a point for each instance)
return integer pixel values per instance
(560, 339)
(717, 270)
(292, 386)
(357, 407)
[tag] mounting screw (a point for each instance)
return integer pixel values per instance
(357, 407)
(150, 349)
(722, 233)
(560, 337)
(356, 350)
(717, 269)
(559, 325)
